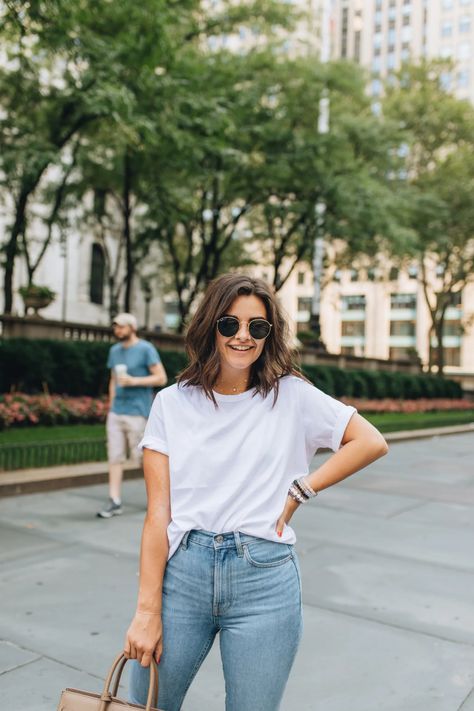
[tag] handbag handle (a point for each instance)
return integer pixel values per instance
(117, 666)
(118, 675)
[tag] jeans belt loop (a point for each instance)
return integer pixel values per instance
(184, 540)
(238, 544)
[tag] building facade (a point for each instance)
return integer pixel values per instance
(382, 34)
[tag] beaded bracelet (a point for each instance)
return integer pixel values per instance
(301, 491)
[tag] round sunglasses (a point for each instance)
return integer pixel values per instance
(229, 325)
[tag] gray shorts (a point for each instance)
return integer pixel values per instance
(124, 433)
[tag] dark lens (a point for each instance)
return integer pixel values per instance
(259, 328)
(228, 326)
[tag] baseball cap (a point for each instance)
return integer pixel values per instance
(125, 319)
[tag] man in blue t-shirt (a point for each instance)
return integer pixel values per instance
(136, 369)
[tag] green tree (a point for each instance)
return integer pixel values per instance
(439, 137)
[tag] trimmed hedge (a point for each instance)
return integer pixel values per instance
(63, 367)
(79, 368)
(377, 385)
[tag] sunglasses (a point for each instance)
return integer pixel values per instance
(229, 325)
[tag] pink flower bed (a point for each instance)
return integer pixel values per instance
(421, 405)
(18, 409)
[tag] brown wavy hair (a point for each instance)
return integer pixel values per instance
(276, 359)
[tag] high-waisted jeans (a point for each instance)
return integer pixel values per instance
(249, 590)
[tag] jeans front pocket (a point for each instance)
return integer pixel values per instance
(267, 554)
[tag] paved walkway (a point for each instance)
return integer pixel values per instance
(388, 585)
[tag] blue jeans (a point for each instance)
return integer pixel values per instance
(249, 590)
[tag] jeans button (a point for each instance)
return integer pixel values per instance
(219, 539)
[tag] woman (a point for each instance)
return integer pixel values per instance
(226, 458)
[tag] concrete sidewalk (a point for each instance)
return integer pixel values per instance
(388, 587)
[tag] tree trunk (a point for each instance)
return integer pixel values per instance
(129, 265)
(439, 326)
(11, 250)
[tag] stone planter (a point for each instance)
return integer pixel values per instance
(36, 302)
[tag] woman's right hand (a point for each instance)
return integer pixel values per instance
(144, 638)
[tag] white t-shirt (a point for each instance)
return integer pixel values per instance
(231, 466)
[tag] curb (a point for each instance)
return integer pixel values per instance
(30, 481)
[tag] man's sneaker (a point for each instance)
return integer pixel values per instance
(110, 509)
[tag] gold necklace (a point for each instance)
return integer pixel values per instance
(233, 389)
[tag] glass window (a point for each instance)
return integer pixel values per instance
(446, 52)
(406, 20)
(393, 274)
(447, 29)
(354, 275)
(465, 2)
(446, 79)
(448, 4)
(456, 298)
(391, 36)
(305, 303)
(464, 50)
(452, 328)
(378, 39)
(465, 23)
(353, 328)
(376, 87)
(347, 350)
(452, 356)
(391, 60)
(96, 284)
(301, 278)
(403, 301)
(376, 64)
(406, 34)
(402, 328)
(353, 302)
(463, 79)
(400, 353)
(413, 272)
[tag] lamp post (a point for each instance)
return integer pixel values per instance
(320, 207)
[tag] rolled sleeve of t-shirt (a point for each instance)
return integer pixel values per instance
(152, 355)
(325, 418)
(154, 436)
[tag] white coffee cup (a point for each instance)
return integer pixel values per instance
(120, 369)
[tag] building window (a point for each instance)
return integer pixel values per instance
(452, 356)
(301, 278)
(403, 301)
(448, 4)
(452, 328)
(376, 87)
(446, 52)
(304, 303)
(344, 31)
(96, 284)
(447, 29)
(402, 328)
(393, 274)
(465, 23)
(413, 272)
(354, 275)
(463, 79)
(347, 350)
(465, 2)
(406, 20)
(398, 353)
(353, 302)
(353, 328)
(456, 298)
(464, 50)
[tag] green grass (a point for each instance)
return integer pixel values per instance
(68, 444)
(398, 421)
(51, 434)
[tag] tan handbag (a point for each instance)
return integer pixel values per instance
(77, 700)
